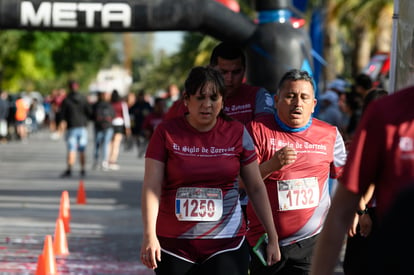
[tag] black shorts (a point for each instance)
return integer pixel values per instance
(296, 259)
(119, 129)
(231, 262)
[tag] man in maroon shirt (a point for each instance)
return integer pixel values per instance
(382, 153)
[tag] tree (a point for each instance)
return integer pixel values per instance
(195, 50)
(44, 60)
(354, 30)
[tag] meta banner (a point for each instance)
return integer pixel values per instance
(65, 15)
(75, 15)
(206, 16)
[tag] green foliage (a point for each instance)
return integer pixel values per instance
(45, 60)
(35, 60)
(194, 51)
(81, 55)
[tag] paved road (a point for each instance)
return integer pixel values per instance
(106, 232)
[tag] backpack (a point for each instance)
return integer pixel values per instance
(103, 115)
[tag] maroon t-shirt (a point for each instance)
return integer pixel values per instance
(201, 177)
(299, 192)
(382, 150)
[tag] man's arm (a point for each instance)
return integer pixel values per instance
(282, 157)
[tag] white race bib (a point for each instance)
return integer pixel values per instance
(198, 204)
(298, 193)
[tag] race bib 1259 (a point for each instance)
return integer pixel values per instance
(198, 204)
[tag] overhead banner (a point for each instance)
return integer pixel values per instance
(75, 15)
(66, 15)
(273, 46)
(206, 16)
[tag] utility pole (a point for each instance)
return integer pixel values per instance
(128, 47)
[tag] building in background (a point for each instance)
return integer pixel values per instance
(114, 78)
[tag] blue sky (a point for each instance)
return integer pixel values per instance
(168, 40)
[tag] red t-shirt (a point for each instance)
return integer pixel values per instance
(177, 109)
(382, 150)
(299, 192)
(247, 103)
(203, 160)
(22, 108)
(151, 121)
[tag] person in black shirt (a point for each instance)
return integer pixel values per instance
(76, 112)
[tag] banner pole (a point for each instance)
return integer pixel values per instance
(393, 56)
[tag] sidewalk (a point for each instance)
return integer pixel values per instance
(105, 233)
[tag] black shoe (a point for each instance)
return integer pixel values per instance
(82, 173)
(66, 174)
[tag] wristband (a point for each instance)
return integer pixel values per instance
(362, 212)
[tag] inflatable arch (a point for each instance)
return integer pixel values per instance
(273, 44)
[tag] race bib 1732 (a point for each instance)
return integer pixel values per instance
(298, 193)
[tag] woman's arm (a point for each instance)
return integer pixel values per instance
(257, 193)
(151, 191)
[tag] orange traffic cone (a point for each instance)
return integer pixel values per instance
(49, 261)
(64, 210)
(40, 268)
(81, 199)
(60, 243)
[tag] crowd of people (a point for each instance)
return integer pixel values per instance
(68, 113)
(20, 116)
(186, 150)
(240, 181)
(199, 162)
(118, 121)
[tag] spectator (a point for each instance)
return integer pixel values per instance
(329, 109)
(331, 113)
(122, 127)
(173, 94)
(381, 153)
(4, 112)
(353, 109)
(153, 119)
(102, 115)
(129, 141)
(20, 116)
(365, 222)
(341, 87)
(138, 112)
(33, 110)
(177, 109)
(57, 127)
(76, 113)
(363, 84)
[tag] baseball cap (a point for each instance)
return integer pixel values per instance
(338, 85)
(330, 96)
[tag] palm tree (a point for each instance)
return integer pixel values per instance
(355, 29)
